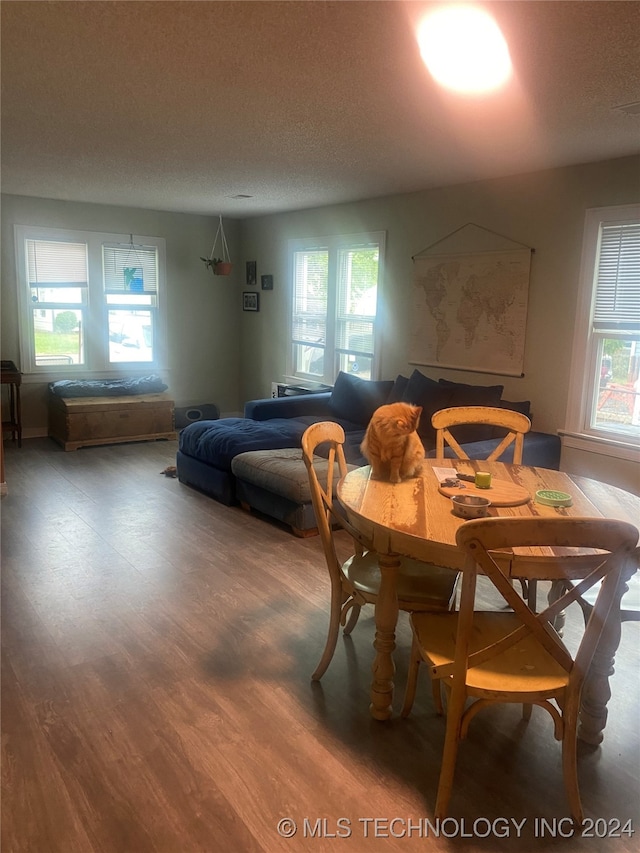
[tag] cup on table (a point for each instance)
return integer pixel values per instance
(483, 480)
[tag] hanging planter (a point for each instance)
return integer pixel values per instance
(223, 265)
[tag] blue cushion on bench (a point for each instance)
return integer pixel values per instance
(107, 387)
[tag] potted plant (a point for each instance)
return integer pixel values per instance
(218, 265)
(223, 265)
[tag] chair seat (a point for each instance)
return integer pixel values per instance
(525, 668)
(420, 586)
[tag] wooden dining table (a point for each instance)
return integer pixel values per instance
(415, 519)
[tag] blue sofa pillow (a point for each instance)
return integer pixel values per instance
(399, 387)
(464, 394)
(432, 396)
(354, 399)
(524, 407)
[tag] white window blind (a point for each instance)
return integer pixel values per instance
(617, 298)
(130, 269)
(56, 264)
(310, 296)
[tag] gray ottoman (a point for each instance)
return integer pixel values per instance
(276, 483)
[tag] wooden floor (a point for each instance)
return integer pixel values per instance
(156, 654)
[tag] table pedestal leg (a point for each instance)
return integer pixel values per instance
(386, 615)
(596, 691)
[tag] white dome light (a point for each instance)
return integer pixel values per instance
(464, 50)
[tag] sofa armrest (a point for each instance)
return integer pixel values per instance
(288, 407)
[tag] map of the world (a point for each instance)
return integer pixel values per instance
(470, 311)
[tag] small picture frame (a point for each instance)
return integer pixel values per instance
(250, 301)
(251, 274)
(267, 282)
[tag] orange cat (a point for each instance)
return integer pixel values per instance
(391, 443)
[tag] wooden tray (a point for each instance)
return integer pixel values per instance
(500, 493)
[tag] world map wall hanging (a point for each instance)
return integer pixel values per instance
(469, 308)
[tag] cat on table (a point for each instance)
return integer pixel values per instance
(392, 445)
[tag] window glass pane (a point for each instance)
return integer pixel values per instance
(617, 395)
(130, 299)
(308, 360)
(357, 364)
(64, 295)
(335, 293)
(130, 336)
(58, 336)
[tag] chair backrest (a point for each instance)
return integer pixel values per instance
(515, 423)
(327, 515)
(605, 556)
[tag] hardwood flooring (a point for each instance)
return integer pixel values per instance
(156, 657)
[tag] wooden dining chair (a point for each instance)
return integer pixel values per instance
(356, 581)
(505, 657)
(515, 423)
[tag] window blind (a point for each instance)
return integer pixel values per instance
(130, 269)
(310, 296)
(56, 264)
(617, 298)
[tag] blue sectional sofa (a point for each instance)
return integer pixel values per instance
(207, 448)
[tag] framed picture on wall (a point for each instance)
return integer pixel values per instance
(250, 301)
(251, 273)
(267, 282)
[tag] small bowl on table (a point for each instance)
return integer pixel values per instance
(470, 506)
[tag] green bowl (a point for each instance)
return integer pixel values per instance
(549, 497)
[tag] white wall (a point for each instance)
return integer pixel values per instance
(544, 210)
(203, 309)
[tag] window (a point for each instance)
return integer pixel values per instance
(605, 376)
(335, 297)
(89, 301)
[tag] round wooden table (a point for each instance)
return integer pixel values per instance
(415, 519)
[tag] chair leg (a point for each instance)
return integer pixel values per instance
(353, 618)
(332, 635)
(455, 709)
(570, 760)
(412, 680)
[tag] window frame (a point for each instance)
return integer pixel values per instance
(587, 345)
(334, 245)
(96, 306)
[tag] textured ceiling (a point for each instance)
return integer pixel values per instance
(182, 105)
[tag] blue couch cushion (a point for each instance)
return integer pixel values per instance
(354, 399)
(523, 406)
(432, 396)
(463, 394)
(399, 387)
(217, 442)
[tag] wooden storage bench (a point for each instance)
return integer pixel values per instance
(85, 421)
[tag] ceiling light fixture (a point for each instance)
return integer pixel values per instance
(464, 49)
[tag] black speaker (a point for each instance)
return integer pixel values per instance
(191, 414)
